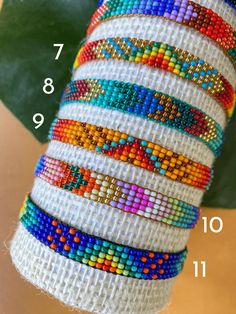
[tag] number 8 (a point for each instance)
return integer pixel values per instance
(48, 82)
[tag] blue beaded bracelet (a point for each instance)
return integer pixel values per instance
(184, 12)
(96, 252)
(100, 2)
(148, 104)
(232, 3)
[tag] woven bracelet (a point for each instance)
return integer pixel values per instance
(148, 104)
(96, 252)
(108, 190)
(232, 3)
(137, 152)
(164, 57)
(187, 13)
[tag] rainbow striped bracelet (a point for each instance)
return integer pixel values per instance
(96, 252)
(124, 196)
(184, 12)
(134, 151)
(162, 56)
(149, 104)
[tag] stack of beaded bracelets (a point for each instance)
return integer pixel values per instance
(165, 57)
(184, 12)
(117, 194)
(124, 196)
(148, 104)
(135, 151)
(96, 252)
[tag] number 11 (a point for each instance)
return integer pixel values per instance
(196, 268)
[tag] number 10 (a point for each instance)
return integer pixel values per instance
(210, 224)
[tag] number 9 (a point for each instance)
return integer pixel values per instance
(38, 119)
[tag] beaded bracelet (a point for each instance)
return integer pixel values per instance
(165, 57)
(108, 190)
(137, 152)
(148, 104)
(100, 2)
(184, 12)
(232, 3)
(96, 252)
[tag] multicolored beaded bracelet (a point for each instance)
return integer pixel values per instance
(165, 57)
(232, 3)
(148, 104)
(184, 12)
(137, 152)
(96, 252)
(108, 190)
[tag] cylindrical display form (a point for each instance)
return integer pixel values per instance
(106, 225)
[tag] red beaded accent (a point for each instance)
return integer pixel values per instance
(187, 13)
(135, 151)
(165, 57)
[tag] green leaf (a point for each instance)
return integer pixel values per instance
(28, 31)
(222, 193)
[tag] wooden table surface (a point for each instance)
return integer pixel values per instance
(214, 294)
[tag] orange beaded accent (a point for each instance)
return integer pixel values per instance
(97, 252)
(187, 13)
(164, 57)
(137, 152)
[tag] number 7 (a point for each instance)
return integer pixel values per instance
(59, 50)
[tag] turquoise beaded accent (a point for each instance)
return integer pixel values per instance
(124, 196)
(96, 252)
(148, 104)
(160, 56)
(184, 12)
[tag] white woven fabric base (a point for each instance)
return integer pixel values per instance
(168, 137)
(107, 222)
(157, 29)
(124, 171)
(155, 79)
(84, 287)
